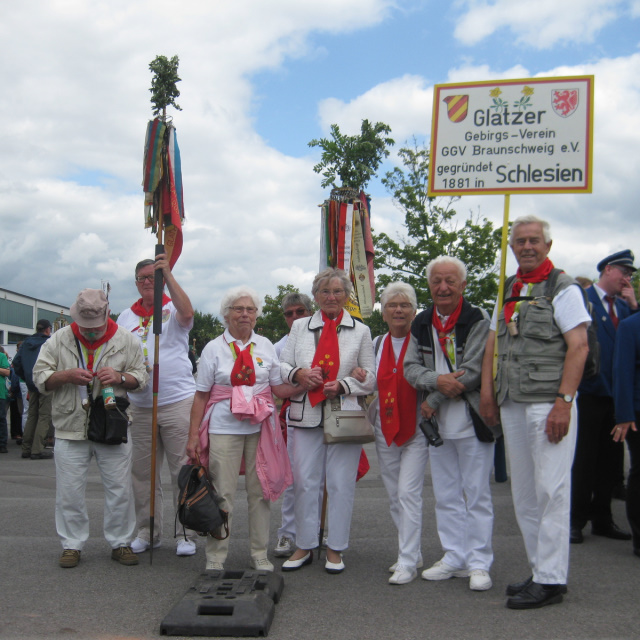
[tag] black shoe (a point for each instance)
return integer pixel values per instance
(516, 587)
(636, 552)
(610, 530)
(18, 441)
(537, 595)
(45, 455)
(575, 536)
(26, 454)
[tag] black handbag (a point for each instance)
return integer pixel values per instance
(108, 426)
(199, 504)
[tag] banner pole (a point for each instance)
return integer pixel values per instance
(503, 269)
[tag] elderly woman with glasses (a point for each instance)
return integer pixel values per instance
(319, 358)
(237, 374)
(401, 447)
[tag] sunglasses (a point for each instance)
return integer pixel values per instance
(295, 312)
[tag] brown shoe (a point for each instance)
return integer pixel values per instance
(125, 556)
(69, 558)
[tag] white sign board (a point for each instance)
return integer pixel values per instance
(512, 136)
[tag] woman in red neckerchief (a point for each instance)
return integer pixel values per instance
(402, 448)
(320, 355)
(233, 416)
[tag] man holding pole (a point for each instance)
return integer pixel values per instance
(542, 348)
(176, 388)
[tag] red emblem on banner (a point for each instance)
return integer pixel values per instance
(564, 101)
(457, 107)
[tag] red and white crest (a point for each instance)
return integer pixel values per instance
(564, 101)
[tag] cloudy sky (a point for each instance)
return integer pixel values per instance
(260, 78)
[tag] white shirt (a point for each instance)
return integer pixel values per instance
(568, 310)
(175, 382)
(216, 363)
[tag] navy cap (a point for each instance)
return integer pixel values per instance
(621, 259)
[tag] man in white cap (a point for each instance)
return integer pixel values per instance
(77, 365)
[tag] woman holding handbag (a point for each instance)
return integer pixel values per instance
(233, 418)
(401, 447)
(319, 356)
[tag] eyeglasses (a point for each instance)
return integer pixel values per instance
(249, 310)
(626, 272)
(141, 279)
(336, 293)
(295, 312)
(394, 305)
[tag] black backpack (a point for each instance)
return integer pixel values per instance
(592, 363)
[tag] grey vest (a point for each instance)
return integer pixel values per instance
(530, 364)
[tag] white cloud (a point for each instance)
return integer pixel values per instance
(539, 25)
(75, 103)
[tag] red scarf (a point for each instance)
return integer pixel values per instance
(398, 399)
(138, 308)
(244, 371)
(539, 274)
(327, 356)
(92, 347)
(449, 325)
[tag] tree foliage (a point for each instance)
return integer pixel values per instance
(352, 159)
(206, 327)
(433, 228)
(163, 84)
(271, 324)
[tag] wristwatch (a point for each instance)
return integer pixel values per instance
(566, 397)
(123, 380)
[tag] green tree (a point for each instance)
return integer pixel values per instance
(206, 327)
(271, 324)
(433, 228)
(352, 159)
(163, 84)
(376, 324)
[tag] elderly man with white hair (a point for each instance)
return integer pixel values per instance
(237, 373)
(444, 362)
(542, 347)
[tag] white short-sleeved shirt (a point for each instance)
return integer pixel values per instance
(175, 382)
(568, 310)
(279, 346)
(216, 363)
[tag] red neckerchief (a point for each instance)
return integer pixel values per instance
(327, 356)
(244, 371)
(138, 308)
(92, 347)
(398, 399)
(539, 274)
(449, 325)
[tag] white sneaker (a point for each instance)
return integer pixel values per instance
(420, 564)
(403, 575)
(261, 564)
(284, 548)
(442, 571)
(139, 545)
(480, 580)
(213, 565)
(185, 548)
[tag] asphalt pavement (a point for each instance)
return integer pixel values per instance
(100, 599)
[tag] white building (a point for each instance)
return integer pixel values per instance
(19, 315)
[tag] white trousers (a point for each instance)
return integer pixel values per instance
(173, 433)
(25, 403)
(460, 472)
(312, 461)
(541, 486)
(288, 526)
(225, 455)
(72, 467)
(402, 470)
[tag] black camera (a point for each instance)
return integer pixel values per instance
(431, 431)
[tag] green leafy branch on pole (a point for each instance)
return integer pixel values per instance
(163, 84)
(353, 160)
